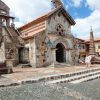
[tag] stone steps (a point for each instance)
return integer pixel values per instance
(23, 65)
(62, 64)
(59, 65)
(64, 77)
(86, 79)
(77, 77)
(72, 77)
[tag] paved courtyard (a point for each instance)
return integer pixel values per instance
(43, 91)
(64, 91)
(20, 74)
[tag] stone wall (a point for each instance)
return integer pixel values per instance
(67, 39)
(57, 19)
(2, 53)
(30, 44)
(8, 48)
(42, 49)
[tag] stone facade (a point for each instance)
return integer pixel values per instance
(10, 41)
(45, 41)
(50, 40)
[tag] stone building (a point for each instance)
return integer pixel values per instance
(48, 39)
(10, 40)
(96, 43)
(88, 47)
(44, 41)
(81, 49)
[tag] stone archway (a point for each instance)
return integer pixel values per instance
(60, 53)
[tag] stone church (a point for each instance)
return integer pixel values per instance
(42, 42)
(48, 39)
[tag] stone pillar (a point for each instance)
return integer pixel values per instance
(34, 62)
(92, 45)
(53, 55)
(70, 57)
(67, 56)
(10, 64)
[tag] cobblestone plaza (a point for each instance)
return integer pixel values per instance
(40, 91)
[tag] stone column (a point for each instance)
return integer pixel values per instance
(92, 45)
(53, 55)
(34, 62)
(67, 56)
(70, 57)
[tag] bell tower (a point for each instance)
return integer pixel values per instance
(5, 18)
(56, 3)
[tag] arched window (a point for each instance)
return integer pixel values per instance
(4, 22)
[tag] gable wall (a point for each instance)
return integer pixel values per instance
(54, 20)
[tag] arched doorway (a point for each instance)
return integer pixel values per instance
(60, 53)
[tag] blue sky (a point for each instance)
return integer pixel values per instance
(77, 12)
(86, 13)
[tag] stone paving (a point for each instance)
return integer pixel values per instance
(23, 74)
(40, 92)
(63, 91)
(11, 89)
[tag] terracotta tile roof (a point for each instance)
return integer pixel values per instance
(32, 34)
(34, 26)
(95, 40)
(34, 22)
(44, 17)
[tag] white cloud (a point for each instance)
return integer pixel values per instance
(76, 3)
(18, 24)
(26, 10)
(82, 27)
(94, 4)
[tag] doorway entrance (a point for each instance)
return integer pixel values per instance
(23, 55)
(60, 53)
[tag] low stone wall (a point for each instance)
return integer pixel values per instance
(7, 66)
(95, 60)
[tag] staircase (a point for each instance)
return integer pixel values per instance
(59, 65)
(73, 77)
(23, 65)
(76, 77)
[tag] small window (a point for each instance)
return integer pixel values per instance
(4, 22)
